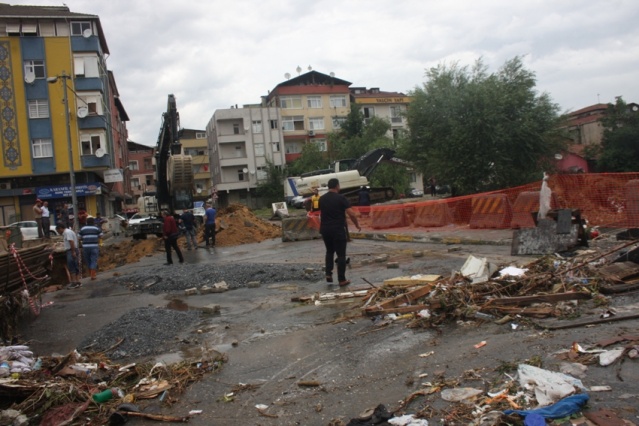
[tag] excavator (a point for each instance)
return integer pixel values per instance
(352, 174)
(174, 178)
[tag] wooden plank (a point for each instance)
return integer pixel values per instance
(410, 281)
(528, 300)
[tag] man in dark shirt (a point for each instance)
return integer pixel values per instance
(188, 220)
(334, 207)
(209, 225)
(170, 234)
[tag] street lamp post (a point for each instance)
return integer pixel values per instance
(74, 197)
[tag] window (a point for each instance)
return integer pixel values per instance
(291, 102)
(259, 149)
(135, 183)
(321, 144)
(396, 114)
(316, 123)
(257, 126)
(314, 101)
(262, 173)
(148, 180)
(42, 148)
(294, 122)
(200, 135)
(133, 165)
(38, 108)
(86, 65)
(34, 68)
(238, 152)
(90, 144)
(236, 128)
(147, 164)
(338, 121)
(276, 147)
(338, 101)
(293, 148)
(274, 125)
(78, 28)
(240, 175)
(92, 102)
(369, 112)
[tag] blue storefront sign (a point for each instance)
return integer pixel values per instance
(62, 191)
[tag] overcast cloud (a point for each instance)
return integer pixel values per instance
(212, 54)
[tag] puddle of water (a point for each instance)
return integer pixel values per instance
(177, 305)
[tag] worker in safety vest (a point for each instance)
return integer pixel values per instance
(315, 200)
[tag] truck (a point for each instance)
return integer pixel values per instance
(352, 174)
(174, 180)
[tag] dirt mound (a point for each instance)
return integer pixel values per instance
(236, 225)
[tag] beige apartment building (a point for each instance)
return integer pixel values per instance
(195, 144)
(240, 142)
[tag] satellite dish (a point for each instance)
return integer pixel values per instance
(29, 78)
(83, 111)
(287, 75)
(310, 68)
(332, 74)
(87, 33)
(558, 156)
(199, 190)
(244, 170)
(100, 152)
(298, 69)
(252, 172)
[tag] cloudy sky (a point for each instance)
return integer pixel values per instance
(212, 54)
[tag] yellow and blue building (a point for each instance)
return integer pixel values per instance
(42, 49)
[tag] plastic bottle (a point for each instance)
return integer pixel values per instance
(5, 369)
(106, 395)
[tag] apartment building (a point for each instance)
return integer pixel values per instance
(390, 106)
(51, 59)
(195, 144)
(312, 105)
(240, 142)
(140, 171)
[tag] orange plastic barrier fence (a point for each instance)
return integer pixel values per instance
(432, 215)
(388, 218)
(632, 203)
(526, 204)
(604, 199)
(491, 211)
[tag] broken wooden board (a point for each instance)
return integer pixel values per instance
(403, 300)
(624, 275)
(538, 298)
(411, 281)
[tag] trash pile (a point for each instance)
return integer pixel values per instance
(90, 389)
(546, 287)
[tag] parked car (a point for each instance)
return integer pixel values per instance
(199, 212)
(29, 229)
(414, 192)
(140, 217)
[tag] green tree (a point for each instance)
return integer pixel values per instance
(310, 159)
(620, 143)
(271, 190)
(479, 131)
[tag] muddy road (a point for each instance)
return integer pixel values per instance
(273, 344)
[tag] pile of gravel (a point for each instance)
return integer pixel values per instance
(179, 277)
(146, 331)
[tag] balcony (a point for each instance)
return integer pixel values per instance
(89, 161)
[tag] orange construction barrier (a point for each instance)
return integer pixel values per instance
(632, 203)
(432, 215)
(389, 218)
(491, 211)
(525, 205)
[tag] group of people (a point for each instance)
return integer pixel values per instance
(171, 232)
(90, 235)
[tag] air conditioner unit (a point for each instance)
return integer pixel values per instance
(311, 133)
(6, 185)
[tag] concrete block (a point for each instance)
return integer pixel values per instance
(392, 265)
(381, 259)
(211, 309)
(190, 291)
(418, 254)
(253, 284)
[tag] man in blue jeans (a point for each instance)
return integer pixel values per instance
(90, 236)
(209, 225)
(188, 220)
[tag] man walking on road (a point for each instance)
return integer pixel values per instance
(334, 207)
(209, 225)
(170, 234)
(90, 235)
(188, 220)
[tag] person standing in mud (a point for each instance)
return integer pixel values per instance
(46, 220)
(90, 235)
(334, 208)
(188, 220)
(71, 247)
(170, 234)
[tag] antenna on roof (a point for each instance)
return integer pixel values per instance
(287, 75)
(298, 69)
(310, 68)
